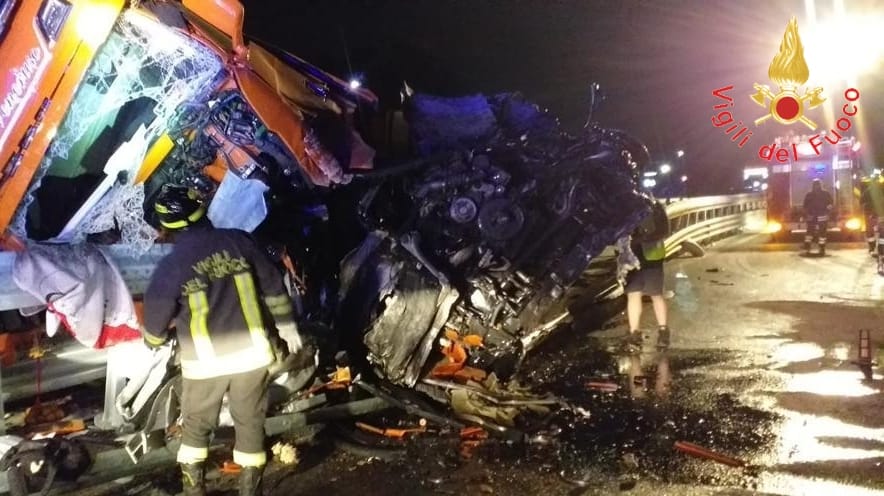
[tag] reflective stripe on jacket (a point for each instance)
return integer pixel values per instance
(223, 294)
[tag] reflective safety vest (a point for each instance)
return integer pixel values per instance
(654, 250)
(223, 294)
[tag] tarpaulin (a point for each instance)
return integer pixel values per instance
(238, 204)
(83, 290)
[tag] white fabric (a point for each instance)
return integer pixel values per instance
(82, 285)
(130, 377)
(626, 259)
(238, 203)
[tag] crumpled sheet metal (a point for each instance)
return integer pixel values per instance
(402, 337)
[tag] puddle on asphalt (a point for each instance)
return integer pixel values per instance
(843, 383)
(668, 397)
(660, 400)
(807, 438)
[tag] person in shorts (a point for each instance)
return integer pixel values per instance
(647, 279)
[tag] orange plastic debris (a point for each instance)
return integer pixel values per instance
(393, 433)
(230, 468)
(216, 170)
(340, 379)
(370, 428)
(701, 452)
(7, 350)
(473, 340)
(473, 433)
(446, 370)
(62, 428)
(470, 374)
(342, 375)
(455, 352)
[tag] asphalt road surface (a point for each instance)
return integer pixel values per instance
(760, 370)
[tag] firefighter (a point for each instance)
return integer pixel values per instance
(817, 207)
(220, 290)
(872, 200)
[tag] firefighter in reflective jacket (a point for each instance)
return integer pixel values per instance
(817, 208)
(219, 288)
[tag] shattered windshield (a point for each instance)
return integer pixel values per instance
(128, 98)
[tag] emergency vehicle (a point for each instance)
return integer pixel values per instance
(837, 166)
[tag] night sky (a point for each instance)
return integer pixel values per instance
(657, 61)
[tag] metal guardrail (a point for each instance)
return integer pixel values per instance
(702, 219)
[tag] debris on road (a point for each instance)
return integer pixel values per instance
(630, 461)
(701, 452)
(395, 433)
(230, 468)
(603, 386)
(285, 453)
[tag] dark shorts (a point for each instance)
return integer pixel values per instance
(647, 280)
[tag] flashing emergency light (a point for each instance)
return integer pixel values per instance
(853, 224)
(773, 227)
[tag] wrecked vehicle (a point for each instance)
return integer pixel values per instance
(436, 274)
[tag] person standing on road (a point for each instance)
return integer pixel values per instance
(223, 294)
(872, 200)
(647, 244)
(817, 208)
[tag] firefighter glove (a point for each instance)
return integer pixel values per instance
(289, 333)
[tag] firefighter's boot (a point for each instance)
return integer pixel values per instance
(806, 246)
(251, 481)
(822, 250)
(193, 478)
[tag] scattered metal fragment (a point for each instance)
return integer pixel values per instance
(603, 386)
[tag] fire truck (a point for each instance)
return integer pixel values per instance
(837, 166)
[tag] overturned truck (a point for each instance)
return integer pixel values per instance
(456, 258)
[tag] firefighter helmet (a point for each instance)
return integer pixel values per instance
(177, 208)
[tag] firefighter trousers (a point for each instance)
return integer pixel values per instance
(201, 401)
(816, 230)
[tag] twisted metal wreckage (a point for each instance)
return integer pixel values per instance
(434, 275)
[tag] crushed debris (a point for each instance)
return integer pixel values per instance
(286, 453)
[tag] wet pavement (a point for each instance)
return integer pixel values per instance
(759, 370)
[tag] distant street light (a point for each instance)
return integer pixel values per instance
(684, 179)
(665, 169)
(679, 153)
(355, 84)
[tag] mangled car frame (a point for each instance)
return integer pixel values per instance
(432, 273)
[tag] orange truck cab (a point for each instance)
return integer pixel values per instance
(102, 95)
